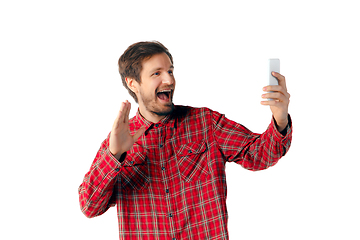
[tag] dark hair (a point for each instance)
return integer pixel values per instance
(130, 62)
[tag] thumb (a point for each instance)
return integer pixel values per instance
(138, 133)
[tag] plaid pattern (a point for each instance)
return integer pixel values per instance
(171, 184)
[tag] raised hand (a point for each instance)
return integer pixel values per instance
(120, 138)
(280, 101)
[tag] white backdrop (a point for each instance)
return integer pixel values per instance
(60, 92)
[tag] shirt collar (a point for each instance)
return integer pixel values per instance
(169, 120)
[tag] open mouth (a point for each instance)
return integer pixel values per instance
(164, 95)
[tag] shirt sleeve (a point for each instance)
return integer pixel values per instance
(251, 150)
(97, 191)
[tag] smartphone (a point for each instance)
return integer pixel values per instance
(274, 66)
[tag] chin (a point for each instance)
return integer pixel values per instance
(157, 106)
(163, 110)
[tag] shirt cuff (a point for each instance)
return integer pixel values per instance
(110, 162)
(286, 130)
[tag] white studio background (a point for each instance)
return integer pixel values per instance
(60, 92)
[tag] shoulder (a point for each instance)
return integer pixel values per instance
(195, 114)
(188, 111)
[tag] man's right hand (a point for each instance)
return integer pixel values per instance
(120, 138)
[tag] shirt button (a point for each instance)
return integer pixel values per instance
(170, 215)
(167, 191)
(163, 168)
(117, 169)
(132, 162)
(156, 125)
(190, 151)
(161, 145)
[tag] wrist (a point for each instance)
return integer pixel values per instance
(281, 125)
(118, 155)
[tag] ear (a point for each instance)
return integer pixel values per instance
(132, 84)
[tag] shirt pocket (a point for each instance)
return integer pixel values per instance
(192, 161)
(135, 171)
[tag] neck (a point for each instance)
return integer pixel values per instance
(150, 116)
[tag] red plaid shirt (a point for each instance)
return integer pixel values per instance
(171, 184)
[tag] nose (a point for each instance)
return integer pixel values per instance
(168, 79)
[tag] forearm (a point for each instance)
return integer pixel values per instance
(269, 147)
(250, 150)
(97, 188)
(281, 127)
(284, 126)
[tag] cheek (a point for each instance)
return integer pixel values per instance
(154, 86)
(147, 92)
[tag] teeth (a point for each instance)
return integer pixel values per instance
(165, 91)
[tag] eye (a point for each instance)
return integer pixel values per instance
(156, 73)
(171, 72)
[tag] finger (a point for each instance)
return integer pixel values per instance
(138, 133)
(276, 88)
(277, 96)
(122, 112)
(270, 103)
(119, 116)
(128, 107)
(280, 78)
(277, 93)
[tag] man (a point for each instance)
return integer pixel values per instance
(165, 167)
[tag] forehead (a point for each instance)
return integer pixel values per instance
(157, 61)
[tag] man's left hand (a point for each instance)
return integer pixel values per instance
(280, 101)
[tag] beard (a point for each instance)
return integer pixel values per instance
(153, 105)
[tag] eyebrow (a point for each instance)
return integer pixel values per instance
(156, 69)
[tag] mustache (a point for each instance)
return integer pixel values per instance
(169, 87)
